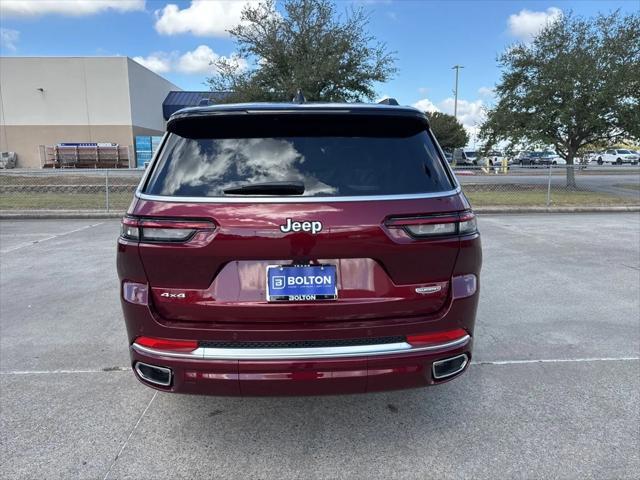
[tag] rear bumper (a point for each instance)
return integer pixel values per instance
(302, 371)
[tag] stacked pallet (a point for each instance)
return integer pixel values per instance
(85, 155)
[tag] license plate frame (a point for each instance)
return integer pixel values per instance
(311, 292)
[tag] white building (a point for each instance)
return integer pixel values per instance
(54, 100)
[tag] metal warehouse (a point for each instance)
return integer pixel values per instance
(78, 111)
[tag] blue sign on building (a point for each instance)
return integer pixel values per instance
(146, 146)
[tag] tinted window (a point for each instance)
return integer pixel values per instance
(327, 165)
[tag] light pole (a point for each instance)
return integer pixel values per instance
(455, 105)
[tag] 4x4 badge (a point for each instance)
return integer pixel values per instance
(173, 295)
(306, 226)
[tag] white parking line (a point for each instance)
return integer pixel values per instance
(130, 434)
(50, 372)
(51, 237)
(556, 360)
(480, 363)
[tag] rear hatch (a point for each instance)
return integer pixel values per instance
(299, 215)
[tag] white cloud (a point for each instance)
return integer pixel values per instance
(9, 38)
(193, 62)
(159, 62)
(76, 8)
(486, 92)
(426, 105)
(526, 23)
(202, 18)
(470, 113)
(200, 59)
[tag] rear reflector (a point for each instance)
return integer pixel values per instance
(463, 223)
(438, 337)
(167, 344)
(137, 293)
(464, 286)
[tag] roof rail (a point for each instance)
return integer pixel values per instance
(388, 101)
(299, 97)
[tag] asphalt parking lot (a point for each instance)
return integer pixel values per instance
(554, 390)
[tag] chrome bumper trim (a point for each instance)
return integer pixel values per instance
(203, 353)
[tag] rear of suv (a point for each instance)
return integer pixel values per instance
(291, 249)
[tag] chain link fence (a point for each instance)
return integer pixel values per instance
(549, 186)
(107, 190)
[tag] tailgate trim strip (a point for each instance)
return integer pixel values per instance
(293, 199)
(207, 353)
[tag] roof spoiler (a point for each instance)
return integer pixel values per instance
(388, 101)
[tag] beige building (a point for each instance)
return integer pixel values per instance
(53, 100)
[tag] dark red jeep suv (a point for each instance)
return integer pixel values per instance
(290, 249)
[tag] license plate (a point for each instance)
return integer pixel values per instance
(301, 283)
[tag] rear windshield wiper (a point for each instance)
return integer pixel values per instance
(268, 188)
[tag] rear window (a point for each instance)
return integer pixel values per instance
(360, 159)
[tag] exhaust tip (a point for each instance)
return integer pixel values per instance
(154, 374)
(449, 366)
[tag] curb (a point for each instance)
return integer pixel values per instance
(80, 214)
(56, 214)
(577, 209)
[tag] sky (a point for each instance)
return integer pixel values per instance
(178, 39)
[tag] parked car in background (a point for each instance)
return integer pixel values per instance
(495, 158)
(461, 157)
(449, 157)
(517, 158)
(473, 156)
(588, 157)
(465, 157)
(617, 156)
(540, 158)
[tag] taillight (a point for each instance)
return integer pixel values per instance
(467, 223)
(129, 228)
(436, 225)
(158, 230)
(438, 337)
(167, 344)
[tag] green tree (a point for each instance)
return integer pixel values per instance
(577, 83)
(448, 130)
(308, 46)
